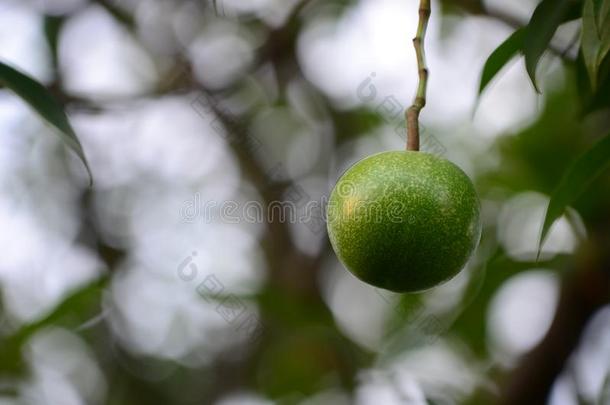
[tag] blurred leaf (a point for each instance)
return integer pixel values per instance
(475, 7)
(581, 174)
(73, 310)
(41, 100)
(604, 395)
(404, 308)
(501, 56)
(540, 30)
(600, 98)
(604, 30)
(475, 284)
(412, 325)
(531, 159)
(471, 324)
(590, 42)
(362, 121)
(595, 37)
(300, 364)
(74, 302)
(52, 28)
(597, 4)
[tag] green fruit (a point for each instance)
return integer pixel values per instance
(404, 221)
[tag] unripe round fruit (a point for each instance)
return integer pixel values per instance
(404, 221)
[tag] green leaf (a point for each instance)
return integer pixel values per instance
(578, 177)
(590, 42)
(603, 21)
(595, 40)
(52, 28)
(593, 100)
(540, 30)
(41, 100)
(501, 56)
(86, 295)
(597, 5)
(70, 312)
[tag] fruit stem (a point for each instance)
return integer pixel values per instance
(412, 113)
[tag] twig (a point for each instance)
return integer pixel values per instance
(412, 113)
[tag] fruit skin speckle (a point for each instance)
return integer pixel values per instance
(404, 221)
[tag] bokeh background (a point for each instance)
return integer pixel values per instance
(145, 289)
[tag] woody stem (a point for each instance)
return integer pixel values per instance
(412, 113)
